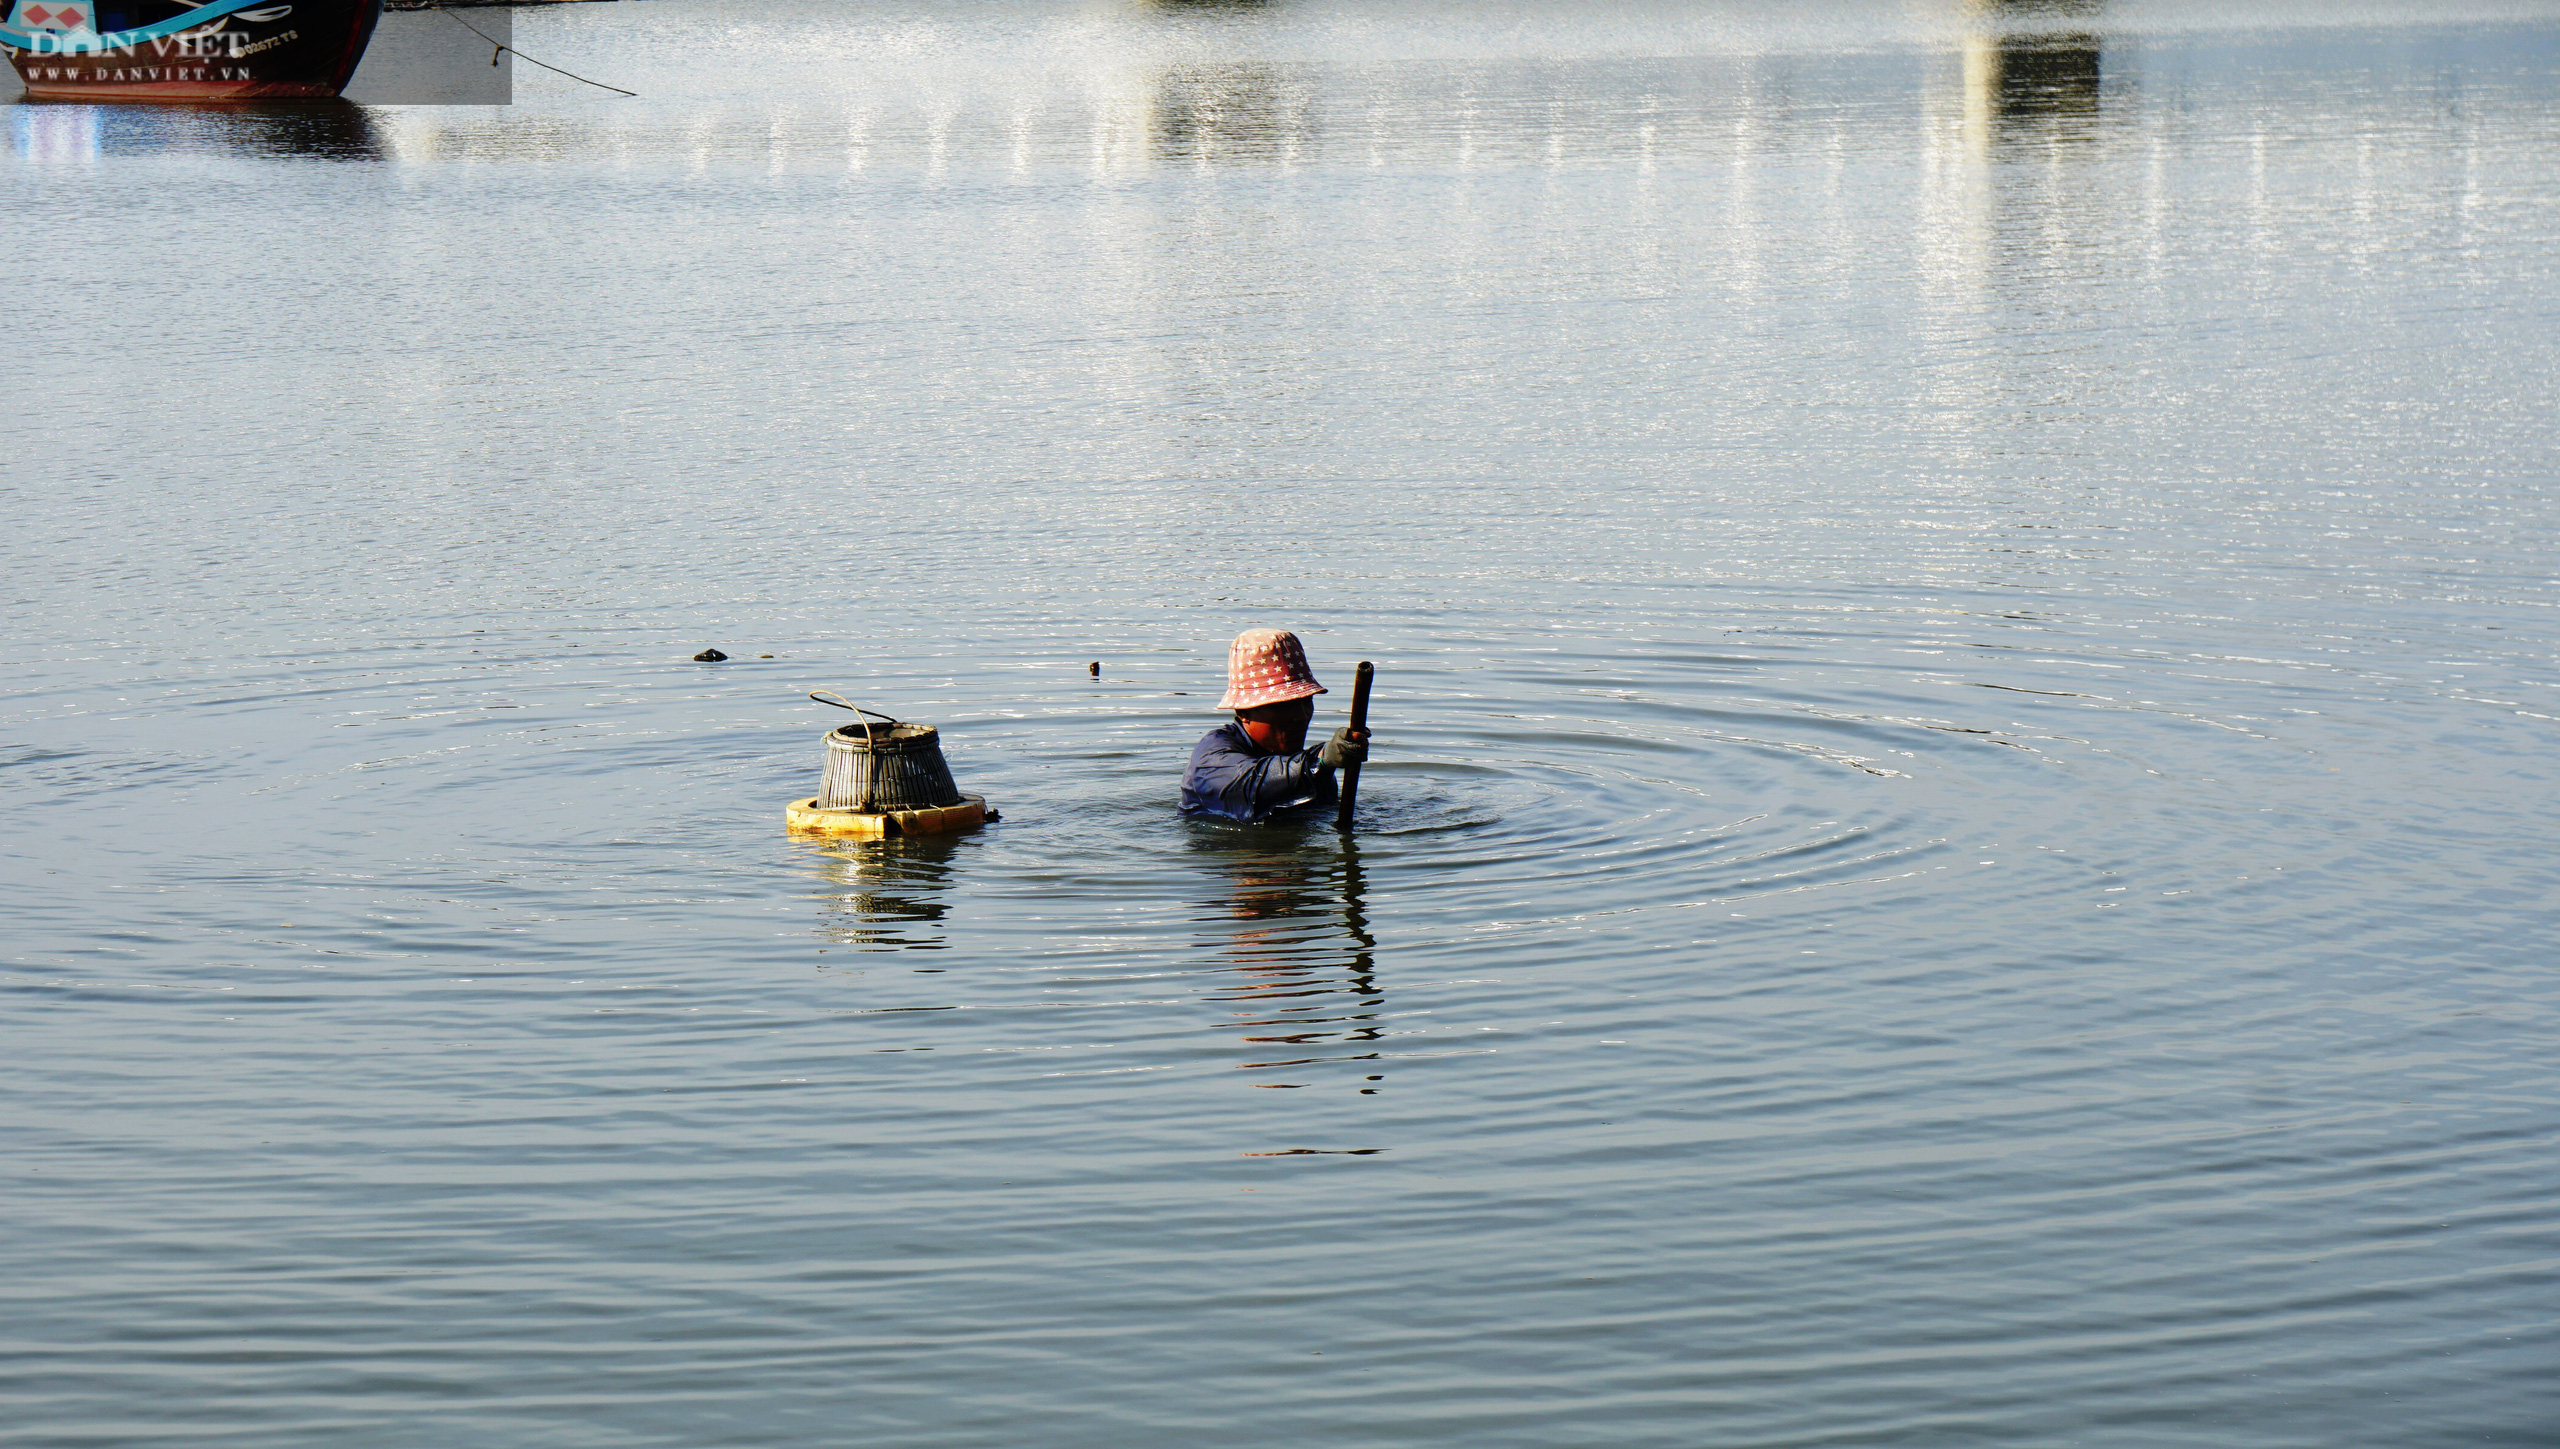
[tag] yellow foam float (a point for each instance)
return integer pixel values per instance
(808, 817)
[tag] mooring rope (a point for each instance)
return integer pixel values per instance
(502, 46)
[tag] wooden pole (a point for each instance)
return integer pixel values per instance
(1360, 727)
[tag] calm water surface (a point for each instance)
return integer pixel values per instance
(1959, 853)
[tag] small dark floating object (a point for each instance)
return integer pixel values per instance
(709, 656)
(1094, 669)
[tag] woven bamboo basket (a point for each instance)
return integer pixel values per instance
(884, 779)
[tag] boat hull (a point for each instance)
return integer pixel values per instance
(246, 51)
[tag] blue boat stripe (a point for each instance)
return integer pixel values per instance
(26, 40)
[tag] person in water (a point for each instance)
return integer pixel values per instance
(1259, 764)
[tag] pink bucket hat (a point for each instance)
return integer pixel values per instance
(1267, 666)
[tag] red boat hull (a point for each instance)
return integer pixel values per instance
(304, 50)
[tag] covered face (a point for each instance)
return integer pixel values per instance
(1278, 729)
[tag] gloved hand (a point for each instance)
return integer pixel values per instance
(1345, 748)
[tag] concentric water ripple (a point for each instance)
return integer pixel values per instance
(1965, 653)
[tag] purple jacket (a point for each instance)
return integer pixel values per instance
(1230, 778)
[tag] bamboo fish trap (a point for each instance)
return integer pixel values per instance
(881, 780)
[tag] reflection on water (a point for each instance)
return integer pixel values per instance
(1231, 113)
(57, 131)
(2025, 79)
(1288, 924)
(1293, 926)
(2012, 126)
(1962, 708)
(884, 895)
(2033, 87)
